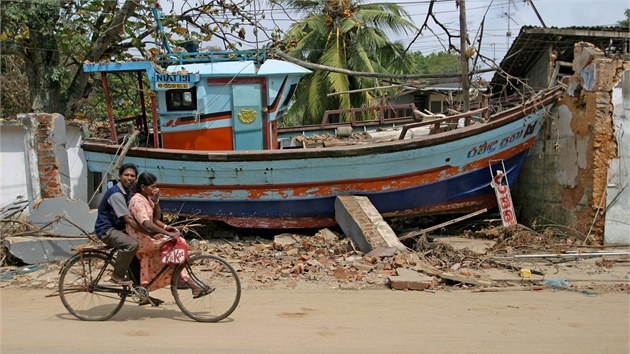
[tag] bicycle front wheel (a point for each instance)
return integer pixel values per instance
(222, 288)
(84, 289)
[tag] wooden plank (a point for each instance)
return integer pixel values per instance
(465, 279)
(513, 288)
(411, 234)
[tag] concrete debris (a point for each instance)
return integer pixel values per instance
(13, 208)
(63, 216)
(330, 261)
(359, 220)
(50, 231)
(407, 279)
(36, 250)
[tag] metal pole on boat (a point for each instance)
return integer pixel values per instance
(463, 34)
(110, 110)
(144, 126)
(156, 124)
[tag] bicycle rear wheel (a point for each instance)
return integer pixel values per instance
(220, 281)
(84, 289)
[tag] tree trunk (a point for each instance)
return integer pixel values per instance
(42, 57)
(80, 86)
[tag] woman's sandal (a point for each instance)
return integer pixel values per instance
(198, 291)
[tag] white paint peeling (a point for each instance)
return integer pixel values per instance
(618, 192)
(569, 145)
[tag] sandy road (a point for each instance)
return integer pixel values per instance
(332, 321)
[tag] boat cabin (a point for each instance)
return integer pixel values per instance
(209, 100)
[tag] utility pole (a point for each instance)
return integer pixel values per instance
(509, 17)
(463, 34)
(531, 2)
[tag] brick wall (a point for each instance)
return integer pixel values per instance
(48, 166)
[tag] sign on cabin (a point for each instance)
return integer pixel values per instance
(170, 82)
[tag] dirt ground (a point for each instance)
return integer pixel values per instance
(332, 321)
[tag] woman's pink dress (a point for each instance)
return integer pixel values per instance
(149, 249)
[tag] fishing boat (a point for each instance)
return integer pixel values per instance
(215, 143)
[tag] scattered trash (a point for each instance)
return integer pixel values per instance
(8, 275)
(556, 282)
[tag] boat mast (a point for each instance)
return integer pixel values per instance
(157, 16)
(463, 34)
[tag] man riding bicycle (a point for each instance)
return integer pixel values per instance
(113, 215)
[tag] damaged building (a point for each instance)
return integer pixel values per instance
(577, 171)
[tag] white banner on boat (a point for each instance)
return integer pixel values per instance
(504, 199)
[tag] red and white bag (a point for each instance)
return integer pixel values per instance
(174, 251)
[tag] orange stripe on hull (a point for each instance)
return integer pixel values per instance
(204, 139)
(334, 187)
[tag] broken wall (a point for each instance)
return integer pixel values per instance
(41, 158)
(565, 176)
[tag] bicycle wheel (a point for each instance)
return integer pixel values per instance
(220, 282)
(84, 288)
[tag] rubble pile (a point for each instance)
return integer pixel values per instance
(329, 260)
(323, 258)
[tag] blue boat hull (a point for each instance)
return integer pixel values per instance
(448, 172)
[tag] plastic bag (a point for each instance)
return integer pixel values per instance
(174, 251)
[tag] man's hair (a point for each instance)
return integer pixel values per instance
(127, 166)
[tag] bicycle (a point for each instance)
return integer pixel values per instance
(86, 292)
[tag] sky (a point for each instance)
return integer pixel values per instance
(501, 17)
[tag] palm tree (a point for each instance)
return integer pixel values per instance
(344, 34)
(625, 22)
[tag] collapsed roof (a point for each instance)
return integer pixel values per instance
(532, 42)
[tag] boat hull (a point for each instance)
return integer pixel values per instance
(449, 172)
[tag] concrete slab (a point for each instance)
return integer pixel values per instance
(35, 250)
(76, 211)
(497, 274)
(587, 270)
(361, 222)
(16, 206)
(407, 279)
(574, 271)
(478, 246)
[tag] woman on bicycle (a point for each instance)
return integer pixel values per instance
(142, 206)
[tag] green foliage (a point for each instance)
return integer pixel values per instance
(436, 63)
(625, 22)
(52, 38)
(59, 74)
(124, 96)
(342, 34)
(13, 91)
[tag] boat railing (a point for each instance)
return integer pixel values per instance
(439, 124)
(187, 52)
(386, 115)
(184, 57)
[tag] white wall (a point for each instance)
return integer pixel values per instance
(618, 192)
(13, 172)
(76, 163)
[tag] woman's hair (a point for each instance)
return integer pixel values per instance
(145, 179)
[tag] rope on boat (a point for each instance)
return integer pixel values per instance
(131, 139)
